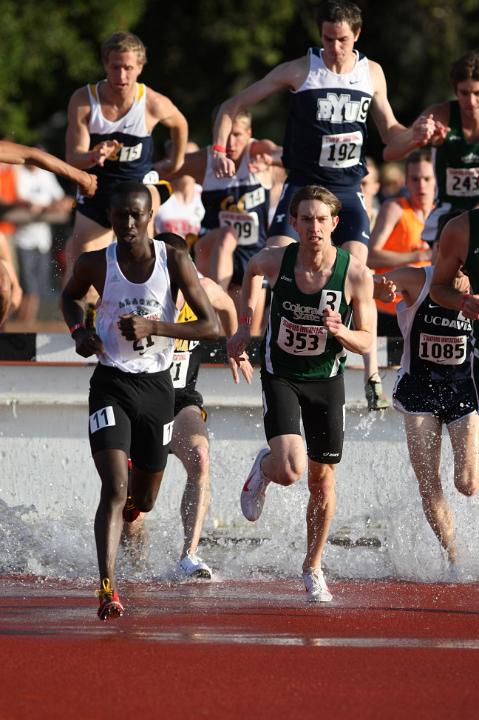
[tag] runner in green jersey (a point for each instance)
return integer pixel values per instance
(315, 288)
(456, 144)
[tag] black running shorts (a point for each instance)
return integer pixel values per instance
(132, 412)
(320, 405)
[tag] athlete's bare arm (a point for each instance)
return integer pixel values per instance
(89, 269)
(160, 109)
(77, 143)
(194, 165)
(432, 123)
(20, 154)
(225, 307)
(287, 76)
(388, 127)
(453, 250)
(265, 264)
(407, 280)
(359, 291)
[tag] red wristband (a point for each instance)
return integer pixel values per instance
(245, 320)
(77, 326)
(92, 159)
(219, 149)
(463, 301)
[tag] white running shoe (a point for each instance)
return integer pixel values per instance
(254, 489)
(315, 585)
(194, 567)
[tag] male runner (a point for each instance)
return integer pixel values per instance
(131, 391)
(109, 134)
(315, 287)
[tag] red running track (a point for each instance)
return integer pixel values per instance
(231, 650)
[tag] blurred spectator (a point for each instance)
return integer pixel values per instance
(392, 180)
(396, 238)
(183, 212)
(47, 203)
(370, 187)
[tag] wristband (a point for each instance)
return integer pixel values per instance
(463, 301)
(77, 326)
(245, 320)
(219, 149)
(92, 159)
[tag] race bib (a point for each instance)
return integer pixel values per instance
(246, 225)
(342, 150)
(148, 346)
(179, 368)
(443, 350)
(302, 340)
(462, 182)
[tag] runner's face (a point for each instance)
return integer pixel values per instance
(122, 70)
(314, 224)
(421, 183)
(467, 93)
(129, 217)
(238, 139)
(338, 42)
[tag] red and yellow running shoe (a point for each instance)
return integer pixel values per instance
(110, 605)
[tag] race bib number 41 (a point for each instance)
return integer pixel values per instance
(302, 340)
(342, 150)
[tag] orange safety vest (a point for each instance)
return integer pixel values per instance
(405, 237)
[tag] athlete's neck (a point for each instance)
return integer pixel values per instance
(340, 66)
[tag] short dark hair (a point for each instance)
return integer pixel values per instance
(422, 155)
(123, 42)
(338, 11)
(315, 192)
(131, 187)
(465, 68)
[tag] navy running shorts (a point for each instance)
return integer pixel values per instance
(447, 401)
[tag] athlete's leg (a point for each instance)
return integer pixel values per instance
(320, 511)
(190, 445)
(423, 434)
(464, 436)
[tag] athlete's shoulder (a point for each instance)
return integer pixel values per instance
(80, 98)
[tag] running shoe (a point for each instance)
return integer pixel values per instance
(315, 586)
(110, 605)
(254, 489)
(194, 567)
(375, 396)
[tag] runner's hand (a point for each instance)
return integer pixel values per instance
(135, 327)
(105, 150)
(332, 321)
(236, 344)
(87, 343)
(245, 367)
(223, 166)
(384, 289)
(88, 184)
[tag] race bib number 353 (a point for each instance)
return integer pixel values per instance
(302, 340)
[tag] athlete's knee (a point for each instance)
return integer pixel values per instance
(468, 484)
(289, 472)
(197, 462)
